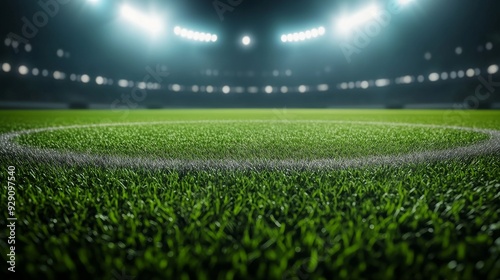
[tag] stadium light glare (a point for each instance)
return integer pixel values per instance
(303, 35)
(246, 40)
(268, 89)
(194, 35)
(94, 2)
(85, 78)
(177, 30)
(346, 24)
(147, 22)
(35, 71)
(321, 31)
(6, 67)
(210, 89)
(23, 70)
(382, 82)
(122, 83)
(493, 69)
(99, 80)
(470, 72)
(433, 77)
(284, 89)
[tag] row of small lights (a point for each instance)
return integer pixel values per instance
(194, 35)
(215, 72)
(459, 50)
(83, 78)
(433, 77)
(304, 35)
(99, 80)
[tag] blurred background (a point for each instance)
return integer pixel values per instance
(249, 53)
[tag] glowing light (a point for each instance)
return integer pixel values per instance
(382, 82)
(323, 87)
(210, 89)
(444, 76)
(470, 72)
(253, 89)
(284, 89)
(347, 24)
(246, 40)
(6, 67)
(226, 89)
(407, 79)
(493, 69)
(176, 87)
(303, 35)
(268, 89)
(177, 30)
(99, 80)
(35, 71)
(23, 70)
(433, 77)
(122, 83)
(489, 46)
(58, 75)
(147, 22)
(85, 78)
(321, 31)
(195, 88)
(302, 88)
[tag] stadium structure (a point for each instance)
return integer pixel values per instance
(392, 54)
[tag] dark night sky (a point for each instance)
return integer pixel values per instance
(98, 41)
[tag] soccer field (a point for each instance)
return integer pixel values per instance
(280, 194)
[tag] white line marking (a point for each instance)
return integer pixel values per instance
(50, 156)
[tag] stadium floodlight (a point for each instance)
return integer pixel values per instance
(303, 35)
(194, 35)
(347, 24)
(246, 40)
(147, 22)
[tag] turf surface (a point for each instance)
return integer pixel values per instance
(436, 220)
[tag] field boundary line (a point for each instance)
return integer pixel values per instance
(50, 156)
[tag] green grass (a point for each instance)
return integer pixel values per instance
(252, 140)
(434, 221)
